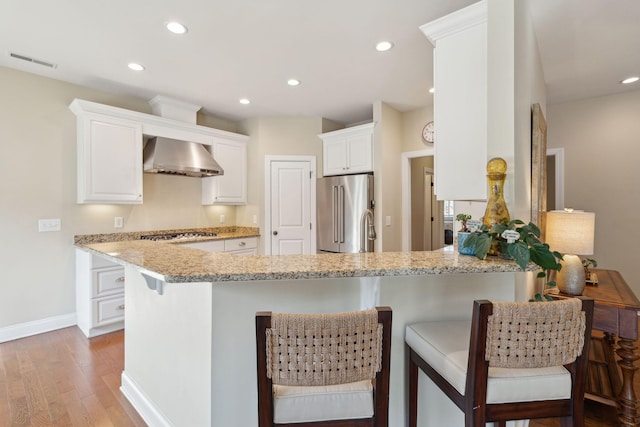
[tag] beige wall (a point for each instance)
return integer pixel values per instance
(286, 136)
(388, 137)
(38, 181)
(412, 124)
(419, 217)
(600, 137)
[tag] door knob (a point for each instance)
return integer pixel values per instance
(275, 233)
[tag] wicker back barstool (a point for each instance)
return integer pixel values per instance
(323, 369)
(512, 361)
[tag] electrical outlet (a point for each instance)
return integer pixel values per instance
(221, 219)
(45, 225)
(118, 222)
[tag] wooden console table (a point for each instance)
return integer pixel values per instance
(615, 314)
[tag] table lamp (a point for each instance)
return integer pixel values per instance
(571, 233)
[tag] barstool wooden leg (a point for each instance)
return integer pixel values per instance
(413, 390)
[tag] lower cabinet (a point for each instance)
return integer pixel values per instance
(245, 246)
(210, 245)
(99, 294)
(242, 246)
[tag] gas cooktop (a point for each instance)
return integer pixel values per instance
(177, 236)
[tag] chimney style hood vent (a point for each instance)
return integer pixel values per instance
(175, 157)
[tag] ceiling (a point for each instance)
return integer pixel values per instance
(250, 48)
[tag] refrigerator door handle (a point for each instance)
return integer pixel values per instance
(334, 219)
(341, 213)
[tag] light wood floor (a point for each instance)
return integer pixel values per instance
(63, 379)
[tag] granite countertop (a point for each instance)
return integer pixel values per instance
(175, 264)
(222, 233)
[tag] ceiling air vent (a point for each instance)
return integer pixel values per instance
(33, 60)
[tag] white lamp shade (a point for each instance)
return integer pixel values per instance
(570, 232)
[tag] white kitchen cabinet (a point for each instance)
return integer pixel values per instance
(348, 151)
(109, 160)
(242, 246)
(209, 245)
(99, 294)
(460, 102)
(230, 188)
(110, 141)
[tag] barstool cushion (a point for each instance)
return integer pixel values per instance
(294, 404)
(445, 346)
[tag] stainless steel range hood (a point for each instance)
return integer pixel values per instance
(175, 157)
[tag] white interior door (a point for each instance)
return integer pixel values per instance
(292, 207)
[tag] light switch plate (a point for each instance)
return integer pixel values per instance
(45, 225)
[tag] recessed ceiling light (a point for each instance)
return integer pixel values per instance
(630, 80)
(176, 27)
(293, 82)
(245, 101)
(384, 46)
(135, 67)
(432, 90)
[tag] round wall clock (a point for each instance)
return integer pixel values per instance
(428, 134)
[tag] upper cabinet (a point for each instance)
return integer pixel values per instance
(110, 144)
(230, 188)
(109, 160)
(460, 102)
(348, 151)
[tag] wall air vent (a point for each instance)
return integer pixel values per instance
(33, 60)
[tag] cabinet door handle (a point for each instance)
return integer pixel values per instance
(121, 307)
(120, 279)
(242, 244)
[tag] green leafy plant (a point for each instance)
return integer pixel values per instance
(518, 241)
(463, 218)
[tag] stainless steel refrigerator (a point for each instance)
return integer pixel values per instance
(345, 213)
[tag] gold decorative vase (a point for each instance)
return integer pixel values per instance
(496, 210)
(496, 206)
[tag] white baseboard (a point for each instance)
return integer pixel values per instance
(35, 327)
(141, 403)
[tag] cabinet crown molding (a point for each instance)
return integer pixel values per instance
(151, 124)
(455, 22)
(174, 108)
(345, 131)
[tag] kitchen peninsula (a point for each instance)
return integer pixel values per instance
(190, 332)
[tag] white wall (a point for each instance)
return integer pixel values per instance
(38, 180)
(530, 89)
(600, 137)
(515, 83)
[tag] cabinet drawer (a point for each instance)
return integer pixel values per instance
(100, 262)
(244, 252)
(107, 281)
(108, 310)
(210, 245)
(238, 244)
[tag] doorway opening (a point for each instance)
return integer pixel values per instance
(555, 179)
(422, 215)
